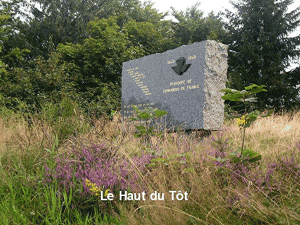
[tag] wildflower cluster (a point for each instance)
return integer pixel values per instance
(272, 181)
(242, 167)
(94, 189)
(100, 168)
(241, 122)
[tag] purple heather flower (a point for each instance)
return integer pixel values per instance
(97, 165)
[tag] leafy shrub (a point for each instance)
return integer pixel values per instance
(146, 115)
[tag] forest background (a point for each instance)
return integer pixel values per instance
(73, 50)
(62, 142)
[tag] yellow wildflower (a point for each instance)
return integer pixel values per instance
(106, 192)
(93, 187)
(241, 122)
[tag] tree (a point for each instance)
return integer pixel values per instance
(10, 55)
(98, 61)
(99, 58)
(4, 17)
(260, 51)
(194, 27)
(127, 10)
(50, 22)
(87, 70)
(150, 37)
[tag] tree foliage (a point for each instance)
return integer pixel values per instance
(12, 55)
(127, 10)
(260, 50)
(99, 59)
(9, 57)
(150, 38)
(3, 18)
(194, 27)
(89, 52)
(51, 22)
(76, 48)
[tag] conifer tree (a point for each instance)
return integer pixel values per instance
(260, 51)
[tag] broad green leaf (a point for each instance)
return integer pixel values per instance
(144, 115)
(244, 92)
(227, 90)
(254, 156)
(255, 89)
(160, 113)
(235, 159)
(141, 129)
(250, 87)
(233, 97)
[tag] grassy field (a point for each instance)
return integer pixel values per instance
(53, 172)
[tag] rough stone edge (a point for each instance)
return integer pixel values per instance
(215, 75)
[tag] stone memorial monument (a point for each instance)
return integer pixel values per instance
(185, 82)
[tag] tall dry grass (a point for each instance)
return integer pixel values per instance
(272, 137)
(23, 147)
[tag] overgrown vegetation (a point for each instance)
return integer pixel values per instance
(83, 177)
(64, 150)
(261, 50)
(76, 49)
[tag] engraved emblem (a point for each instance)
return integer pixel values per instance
(181, 66)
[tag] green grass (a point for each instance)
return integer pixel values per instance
(25, 198)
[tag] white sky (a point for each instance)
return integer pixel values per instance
(207, 6)
(210, 5)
